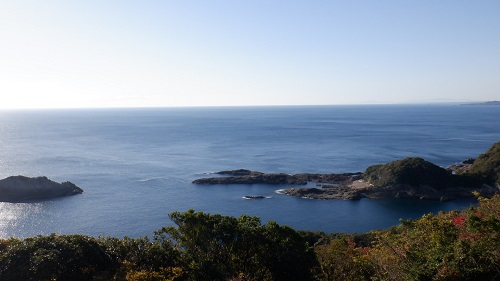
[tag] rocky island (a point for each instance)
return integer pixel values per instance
(25, 189)
(411, 177)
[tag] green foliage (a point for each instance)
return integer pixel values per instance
(411, 171)
(342, 259)
(77, 257)
(142, 258)
(54, 257)
(487, 165)
(129, 272)
(217, 247)
(312, 237)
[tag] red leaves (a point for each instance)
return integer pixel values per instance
(458, 221)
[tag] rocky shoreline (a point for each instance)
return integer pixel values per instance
(348, 186)
(346, 191)
(411, 178)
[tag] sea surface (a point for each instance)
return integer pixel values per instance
(136, 165)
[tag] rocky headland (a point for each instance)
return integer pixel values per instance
(411, 177)
(26, 189)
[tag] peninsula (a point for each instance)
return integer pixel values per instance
(411, 177)
(25, 189)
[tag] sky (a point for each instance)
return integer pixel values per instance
(155, 53)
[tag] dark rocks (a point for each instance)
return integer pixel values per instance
(254, 178)
(469, 161)
(430, 193)
(254, 197)
(330, 178)
(243, 176)
(341, 192)
(334, 186)
(23, 189)
(327, 185)
(239, 172)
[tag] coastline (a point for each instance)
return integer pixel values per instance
(408, 178)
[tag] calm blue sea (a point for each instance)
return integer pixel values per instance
(136, 165)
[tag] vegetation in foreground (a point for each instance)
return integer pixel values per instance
(457, 245)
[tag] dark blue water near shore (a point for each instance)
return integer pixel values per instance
(136, 165)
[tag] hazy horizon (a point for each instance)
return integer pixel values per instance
(249, 106)
(95, 54)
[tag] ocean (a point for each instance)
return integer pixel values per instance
(136, 165)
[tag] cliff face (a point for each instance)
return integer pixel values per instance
(20, 189)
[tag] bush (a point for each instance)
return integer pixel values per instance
(141, 258)
(217, 247)
(54, 257)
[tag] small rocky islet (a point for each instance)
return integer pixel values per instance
(412, 178)
(16, 189)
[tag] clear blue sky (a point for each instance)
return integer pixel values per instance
(94, 53)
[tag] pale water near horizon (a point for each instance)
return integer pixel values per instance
(136, 165)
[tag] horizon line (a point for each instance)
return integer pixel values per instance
(256, 105)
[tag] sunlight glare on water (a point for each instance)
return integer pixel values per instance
(15, 216)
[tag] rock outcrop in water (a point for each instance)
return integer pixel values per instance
(243, 176)
(252, 177)
(23, 189)
(411, 177)
(332, 186)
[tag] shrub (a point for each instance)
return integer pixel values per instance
(217, 247)
(54, 257)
